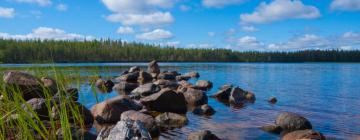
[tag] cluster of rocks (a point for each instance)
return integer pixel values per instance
(292, 126)
(153, 100)
(43, 100)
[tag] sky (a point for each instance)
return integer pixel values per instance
(242, 25)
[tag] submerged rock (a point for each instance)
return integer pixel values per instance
(166, 100)
(202, 135)
(109, 111)
(272, 100)
(170, 120)
(204, 110)
(304, 135)
(291, 122)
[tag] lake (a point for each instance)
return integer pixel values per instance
(328, 94)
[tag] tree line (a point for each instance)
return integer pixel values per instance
(106, 50)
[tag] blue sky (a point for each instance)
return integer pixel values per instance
(267, 25)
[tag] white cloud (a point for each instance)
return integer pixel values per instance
(142, 19)
(170, 44)
(157, 34)
(249, 29)
(47, 33)
(184, 8)
(200, 46)
(345, 5)
(39, 2)
(140, 6)
(280, 10)
(249, 43)
(211, 34)
(125, 30)
(220, 3)
(62, 7)
(7, 12)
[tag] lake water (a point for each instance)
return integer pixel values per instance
(328, 94)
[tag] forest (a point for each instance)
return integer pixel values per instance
(106, 50)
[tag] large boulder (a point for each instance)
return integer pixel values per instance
(129, 77)
(239, 96)
(147, 120)
(166, 100)
(291, 122)
(144, 77)
(26, 84)
(145, 90)
(125, 87)
(195, 97)
(170, 120)
(127, 130)
(153, 67)
(204, 110)
(203, 85)
(202, 135)
(304, 135)
(109, 111)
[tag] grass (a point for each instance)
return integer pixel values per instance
(19, 121)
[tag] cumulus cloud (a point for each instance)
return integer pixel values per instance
(39, 2)
(157, 34)
(125, 30)
(249, 29)
(47, 33)
(184, 8)
(142, 12)
(280, 10)
(142, 19)
(249, 43)
(220, 3)
(345, 5)
(61, 7)
(7, 12)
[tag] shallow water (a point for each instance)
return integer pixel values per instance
(328, 94)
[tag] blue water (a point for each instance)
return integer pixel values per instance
(328, 94)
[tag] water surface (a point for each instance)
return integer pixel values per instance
(328, 94)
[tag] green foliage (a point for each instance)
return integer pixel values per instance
(44, 51)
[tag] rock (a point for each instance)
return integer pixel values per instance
(185, 84)
(153, 67)
(272, 100)
(202, 135)
(128, 130)
(38, 106)
(49, 84)
(166, 84)
(204, 110)
(240, 96)
(76, 134)
(130, 77)
(144, 77)
(71, 109)
(195, 97)
(145, 90)
(271, 129)
(100, 83)
(203, 85)
(147, 120)
(192, 74)
(166, 100)
(291, 122)
(104, 132)
(304, 135)
(125, 86)
(70, 93)
(223, 94)
(26, 84)
(170, 120)
(226, 86)
(124, 73)
(134, 69)
(182, 77)
(167, 76)
(109, 111)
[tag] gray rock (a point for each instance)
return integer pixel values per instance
(145, 90)
(195, 97)
(128, 130)
(147, 120)
(170, 120)
(291, 122)
(202, 135)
